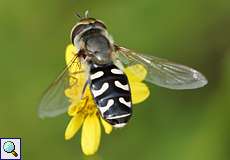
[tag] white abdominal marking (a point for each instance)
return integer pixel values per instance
(116, 71)
(99, 92)
(119, 85)
(122, 100)
(120, 116)
(119, 125)
(108, 105)
(96, 75)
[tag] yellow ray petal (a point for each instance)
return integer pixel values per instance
(91, 134)
(73, 126)
(136, 72)
(108, 128)
(139, 92)
(73, 109)
(70, 53)
(72, 92)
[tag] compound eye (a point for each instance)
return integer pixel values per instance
(77, 30)
(98, 23)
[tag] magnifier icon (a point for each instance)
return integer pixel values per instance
(9, 147)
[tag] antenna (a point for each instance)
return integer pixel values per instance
(86, 14)
(82, 17)
(78, 15)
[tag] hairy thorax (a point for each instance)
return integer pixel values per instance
(97, 46)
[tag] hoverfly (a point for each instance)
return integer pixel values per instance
(108, 83)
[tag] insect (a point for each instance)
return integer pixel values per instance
(108, 83)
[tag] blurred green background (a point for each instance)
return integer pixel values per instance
(170, 125)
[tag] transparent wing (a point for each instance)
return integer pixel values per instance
(54, 100)
(161, 71)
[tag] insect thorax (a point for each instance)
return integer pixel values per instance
(98, 46)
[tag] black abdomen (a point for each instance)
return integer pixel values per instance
(111, 92)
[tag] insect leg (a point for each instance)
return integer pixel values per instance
(84, 88)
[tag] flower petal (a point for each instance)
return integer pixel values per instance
(108, 128)
(73, 109)
(139, 92)
(72, 92)
(134, 70)
(70, 53)
(91, 134)
(73, 126)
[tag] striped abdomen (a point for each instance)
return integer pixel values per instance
(111, 92)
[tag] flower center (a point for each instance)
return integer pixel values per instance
(88, 106)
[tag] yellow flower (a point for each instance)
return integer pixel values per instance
(84, 111)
